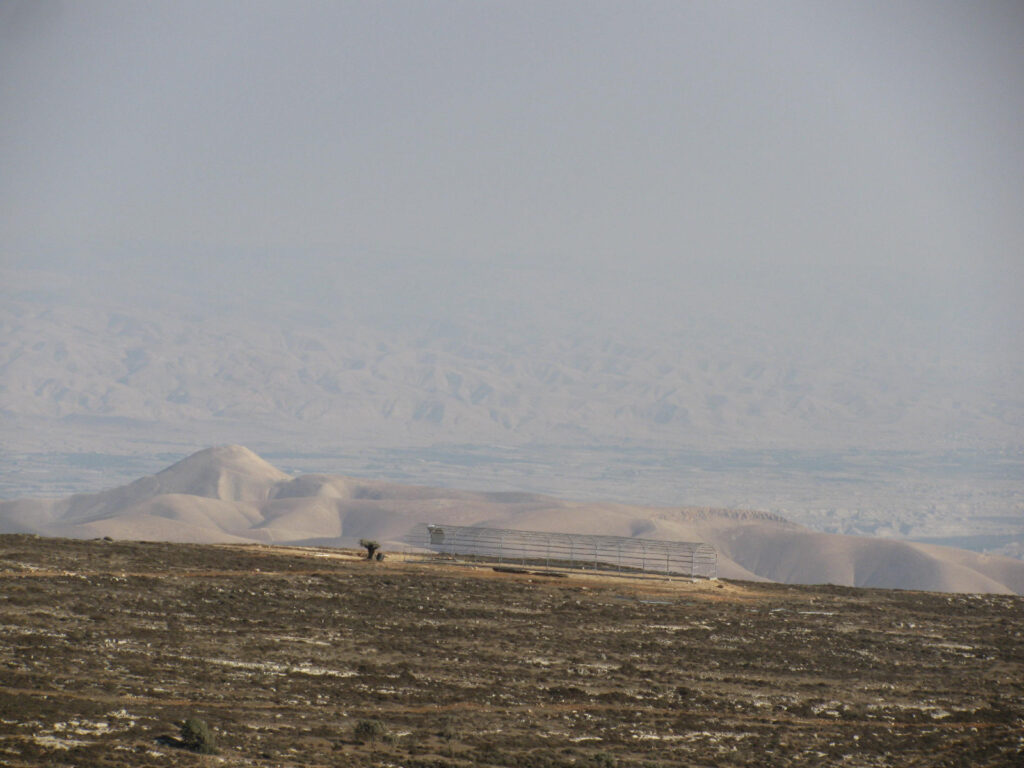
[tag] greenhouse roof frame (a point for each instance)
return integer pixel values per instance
(621, 554)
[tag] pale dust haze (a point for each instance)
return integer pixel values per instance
(717, 253)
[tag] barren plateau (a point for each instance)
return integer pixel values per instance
(106, 647)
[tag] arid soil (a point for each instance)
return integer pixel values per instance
(107, 647)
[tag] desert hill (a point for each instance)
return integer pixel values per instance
(115, 372)
(229, 494)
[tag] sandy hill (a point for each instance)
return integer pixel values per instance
(229, 494)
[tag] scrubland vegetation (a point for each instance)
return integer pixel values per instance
(287, 657)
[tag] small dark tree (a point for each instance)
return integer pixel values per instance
(371, 731)
(371, 547)
(449, 733)
(197, 736)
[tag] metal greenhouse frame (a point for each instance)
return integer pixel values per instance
(620, 554)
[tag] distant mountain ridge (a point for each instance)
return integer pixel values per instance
(68, 365)
(230, 494)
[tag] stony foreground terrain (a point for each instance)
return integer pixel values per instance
(106, 647)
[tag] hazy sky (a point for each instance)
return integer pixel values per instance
(863, 155)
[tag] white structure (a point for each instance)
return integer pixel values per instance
(567, 550)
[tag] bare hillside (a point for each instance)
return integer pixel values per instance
(108, 647)
(229, 494)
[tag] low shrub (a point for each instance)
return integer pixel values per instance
(370, 730)
(370, 546)
(197, 736)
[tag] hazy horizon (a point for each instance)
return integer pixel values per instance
(688, 143)
(679, 226)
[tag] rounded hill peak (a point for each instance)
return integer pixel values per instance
(228, 472)
(228, 453)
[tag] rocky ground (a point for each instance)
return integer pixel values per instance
(106, 648)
